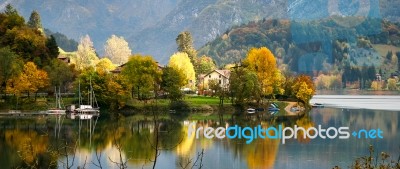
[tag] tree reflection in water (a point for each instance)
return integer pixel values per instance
(128, 139)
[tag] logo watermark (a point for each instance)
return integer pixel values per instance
(283, 133)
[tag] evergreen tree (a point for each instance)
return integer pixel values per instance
(10, 10)
(51, 44)
(185, 44)
(34, 20)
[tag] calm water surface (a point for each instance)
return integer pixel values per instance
(24, 140)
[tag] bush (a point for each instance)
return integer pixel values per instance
(179, 106)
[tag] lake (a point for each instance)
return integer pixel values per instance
(60, 142)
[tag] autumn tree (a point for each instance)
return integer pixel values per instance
(30, 80)
(376, 85)
(180, 61)
(86, 54)
(9, 20)
(117, 50)
(391, 84)
(303, 88)
(205, 65)
(105, 65)
(172, 81)
(185, 44)
(263, 63)
(142, 74)
(10, 66)
(28, 43)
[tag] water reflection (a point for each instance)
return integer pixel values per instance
(41, 141)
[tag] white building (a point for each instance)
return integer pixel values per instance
(221, 76)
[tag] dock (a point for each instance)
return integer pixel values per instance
(20, 113)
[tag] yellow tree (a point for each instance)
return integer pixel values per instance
(391, 85)
(376, 85)
(30, 80)
(303, 88)
(142, 74)
(181, 61)
(263, 63)
(17, 85)
(104, 65)
(304, 93)
(37, 78)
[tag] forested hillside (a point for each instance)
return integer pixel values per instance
(315, 47)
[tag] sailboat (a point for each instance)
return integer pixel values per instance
(58, 109)
(87, 111)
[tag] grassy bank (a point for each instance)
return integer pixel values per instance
(190, 104)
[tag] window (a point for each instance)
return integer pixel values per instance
(220, 81)
(219, 76)
(209, 76)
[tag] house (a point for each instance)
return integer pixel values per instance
(221, 76)
(118, 69)
(64, 58)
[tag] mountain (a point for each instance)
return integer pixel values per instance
(313, 46)
(98, 18)
(151, 26)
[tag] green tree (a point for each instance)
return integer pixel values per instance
(205, 65)
(142, 74)
(110, 91)
(10, 10)
(60, 74)
(52, 47)
(117, 50)
(213, 84)
(185, 44)
(244, 86)
(35, 22)
(10, 66)
(180, 61)
(172, 81)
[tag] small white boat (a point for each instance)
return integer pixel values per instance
(317, 105)
(84, 116)
(251, 110)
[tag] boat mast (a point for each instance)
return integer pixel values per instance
(79, 90)
(59, 97)
(91, 92)
(55, 93)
